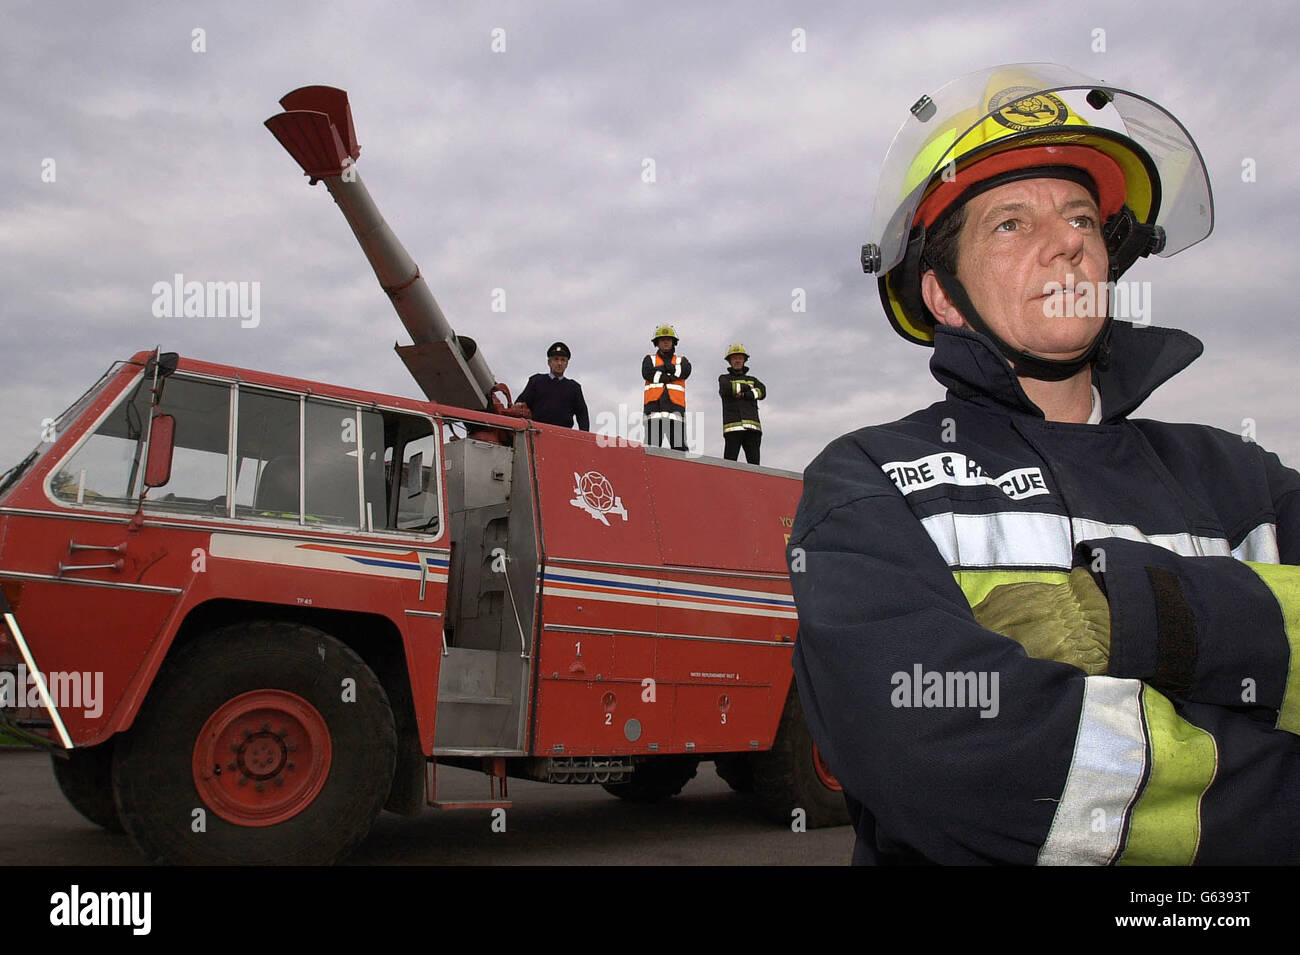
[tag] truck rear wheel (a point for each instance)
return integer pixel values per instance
(792, 775)
(266, 742)
(84, 777)
(737, 771)
(656, 779)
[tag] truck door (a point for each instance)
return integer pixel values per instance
(491, 596)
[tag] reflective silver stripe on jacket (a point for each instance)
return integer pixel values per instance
(1028, 539)
(1105, 774)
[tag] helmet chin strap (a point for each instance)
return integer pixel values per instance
(1026, 365)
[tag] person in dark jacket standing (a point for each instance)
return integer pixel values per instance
(1032, 629)
(664, 373)
(553, 399)
(740, 392)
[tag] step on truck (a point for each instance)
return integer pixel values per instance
(247, 612)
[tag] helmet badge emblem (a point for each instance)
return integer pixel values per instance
(1015, 110)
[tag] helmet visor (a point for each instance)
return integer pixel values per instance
(1012, 103)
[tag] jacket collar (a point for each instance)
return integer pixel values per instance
(1141, 360)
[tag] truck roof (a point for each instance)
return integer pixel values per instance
(263, 379)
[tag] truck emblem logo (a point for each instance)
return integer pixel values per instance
(594, 494)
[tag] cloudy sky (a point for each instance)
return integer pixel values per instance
(522, 169)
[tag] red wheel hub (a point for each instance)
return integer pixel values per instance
(262, 757)
(824, 772)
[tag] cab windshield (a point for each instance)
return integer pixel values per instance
(52, 428)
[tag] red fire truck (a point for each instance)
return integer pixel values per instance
(246, 612)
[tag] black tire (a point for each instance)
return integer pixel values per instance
(737, 771)
(84, 777)
(786, 777)
(333, 799)
(656, 779)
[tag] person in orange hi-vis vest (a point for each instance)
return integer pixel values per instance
(664, 373)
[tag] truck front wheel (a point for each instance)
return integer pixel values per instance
(83, 777)
(266, 742)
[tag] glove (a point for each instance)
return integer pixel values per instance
(1068, 622)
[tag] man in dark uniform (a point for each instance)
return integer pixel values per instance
(553, 399)
(741, 393)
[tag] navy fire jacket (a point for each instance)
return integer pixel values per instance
(954, 746)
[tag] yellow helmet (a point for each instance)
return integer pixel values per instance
(736, 349)
(664, 331)
(1026, 121)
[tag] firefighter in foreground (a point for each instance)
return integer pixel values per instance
(551, 398)
(1032, 628)
(664, 373)
(741, 393)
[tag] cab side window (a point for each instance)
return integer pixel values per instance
(417, 485)
(332, 477)
(266, 478)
